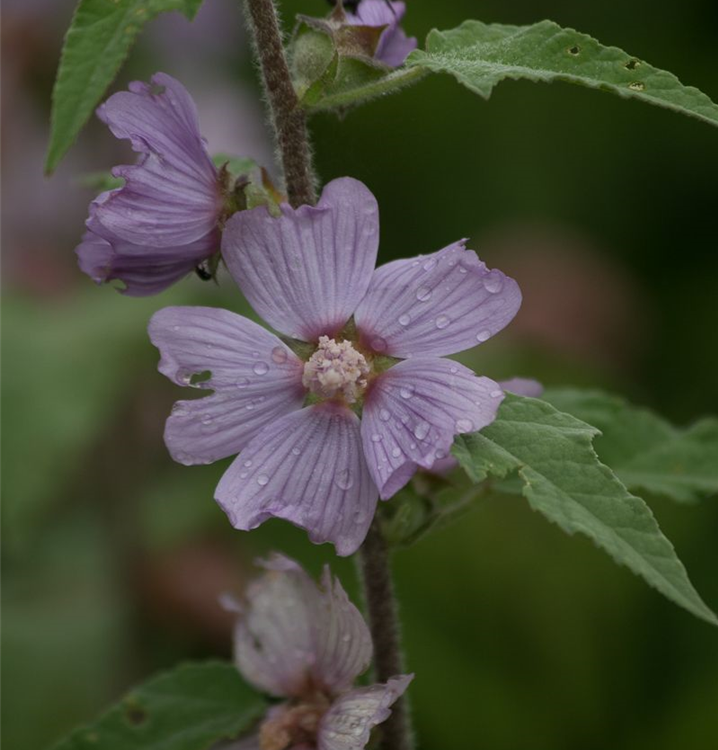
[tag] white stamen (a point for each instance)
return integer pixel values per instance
(336, 369)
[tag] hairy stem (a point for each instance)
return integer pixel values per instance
(384, 625)
(288, 118)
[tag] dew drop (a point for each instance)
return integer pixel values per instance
(262, 479)
(344, 479)
(378, 344)
(431, 263)
(442, 321)
(346, 638)
(407, 391)
(244, 475)
(249, 405)
(421, 430)
(384, 415)
(296, 451)
(248, 462)
(404, 320)
(279, 355)
(260, 368)
(178, 410)
(462, 269)
(242, 383)
(493, 283)
(637, 86)
(396, 452)
(453, 370)
(496, 394)
(423, 293)
(184, 377)
(483, 335)
(440, 454)
(207, 419)
(464, 425)
(376, 438)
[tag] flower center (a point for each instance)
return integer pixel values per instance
(336, 369)
(289, 725)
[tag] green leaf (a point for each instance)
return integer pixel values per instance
(236, 165)
(98, 41)
(480, 55)
(644, 450)
(189, 708)
(565, 481)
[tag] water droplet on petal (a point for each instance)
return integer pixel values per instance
(244, 475)
(296, 451)
(344, 479)
(493, 282)
(207, 419)
(496, 394)
(242, 383)
(262, 479)
(184, 376)
(462, 269)
(359, 516)
(378, 344)
(423, 293)
(346, 637)
(261, 368)
(396, 452)
(440, 454)
(384, 415)
(407, 391)
(421, 430)
(279, 355)
(248, 462)
(442, 321)
(464, 425)
(484, 335)
(376, 438)
(179, 410)
(404, 320)
(453, 370)
(431, 263)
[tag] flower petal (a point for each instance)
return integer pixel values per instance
(171, 196)
(413, 412)
(348, 723)
(394, 46)
(523, 387)
(306, 271)
(307, 468)
(143, 269)
(256, 380)
(293, 637)
(437, 304)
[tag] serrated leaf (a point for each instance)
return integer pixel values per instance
(98, 41)
(564, 480)
(644, 450)
(190, 708)
(480, 55)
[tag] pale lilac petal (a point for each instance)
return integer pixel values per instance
(436, 304)
(394, 46)
(171, 196)
(413, 412)
(256, 380)
(348, 723)
(306, 271)
(143, 269)
(523, 387)
(307, 468)
(293, 636)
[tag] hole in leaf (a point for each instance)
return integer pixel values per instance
(632, 64)
(135, 715)
(575, 50)
(637, 86)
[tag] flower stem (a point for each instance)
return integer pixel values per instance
(288, 118)
(383, 618)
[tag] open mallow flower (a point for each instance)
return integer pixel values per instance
(307, 644)
(370, 400)
(164, 221)
(394, 46)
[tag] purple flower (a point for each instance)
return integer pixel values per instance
(394, 45)
(306, 456)
(163, 221)
(308, 644)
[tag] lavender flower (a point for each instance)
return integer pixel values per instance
(305, 455)
(308, 644)
(164, 221)
(394, 46)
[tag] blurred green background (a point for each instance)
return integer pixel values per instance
(605, 212)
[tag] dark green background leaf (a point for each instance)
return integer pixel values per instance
(565, 481)
(189, 708)
(645, 451)
(97, 43)
(480, 55)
